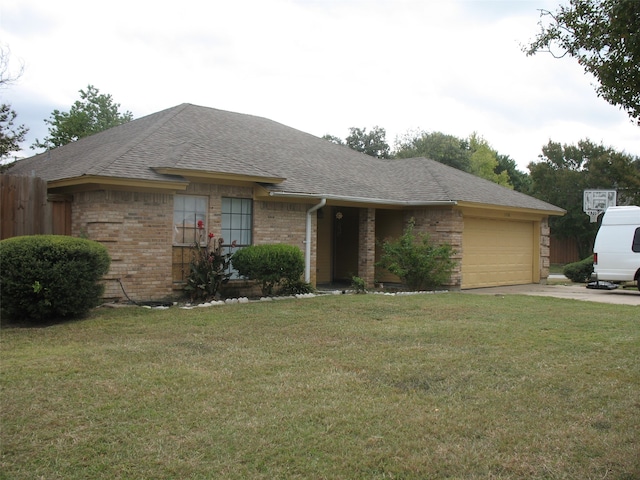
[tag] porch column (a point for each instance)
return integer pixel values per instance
(367, 245)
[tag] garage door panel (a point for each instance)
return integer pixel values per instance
(496, 252)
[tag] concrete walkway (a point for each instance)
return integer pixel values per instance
(620, 296)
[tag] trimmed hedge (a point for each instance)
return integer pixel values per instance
(579, 272)
(270, 264)
(46, 277)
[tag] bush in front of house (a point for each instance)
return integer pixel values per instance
(418, 262)
(296, 287)
(208, 267)
(579, 272)
(45, 277)
(270, 265)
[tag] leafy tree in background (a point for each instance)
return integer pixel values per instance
(484, 161)
(565, 171)
(11, 135)
(371, 143)
(521, 181)
(447, 149)
(93, 113)
(473, 155)
(333, 139)
(604, 36)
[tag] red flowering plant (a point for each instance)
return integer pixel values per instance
(208, 267)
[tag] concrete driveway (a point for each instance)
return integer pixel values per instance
(618, 296)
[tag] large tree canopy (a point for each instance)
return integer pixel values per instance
(371, 143)
(565, 171)
(483, 162)
(11, 135)
(443, 148)
(93, 113)
(604, 36)
(473, 155)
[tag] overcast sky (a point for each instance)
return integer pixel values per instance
(321, 66)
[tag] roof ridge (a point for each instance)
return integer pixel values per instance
(438, 178)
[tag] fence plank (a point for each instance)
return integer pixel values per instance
(564, 250)
(24, 204)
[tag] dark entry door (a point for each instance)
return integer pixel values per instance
(345, 243)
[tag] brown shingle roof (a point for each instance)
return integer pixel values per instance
(189, 137)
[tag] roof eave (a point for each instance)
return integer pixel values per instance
(539, 211)
(95, 182)
(363, 200)
(209, 175)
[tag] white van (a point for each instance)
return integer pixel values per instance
(616, 252)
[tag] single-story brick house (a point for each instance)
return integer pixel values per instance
(140, 189)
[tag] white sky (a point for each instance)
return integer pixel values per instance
(320, 66)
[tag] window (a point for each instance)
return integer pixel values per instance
(237, 221)
(188, 210)
(636, 241)
(237, 224)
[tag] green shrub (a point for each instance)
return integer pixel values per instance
(296, 287)
(208, 267)
(418, 262)
(47, 277)
(358, 284)
(579, 272)
(269, 264)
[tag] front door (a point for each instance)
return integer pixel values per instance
(345, 243)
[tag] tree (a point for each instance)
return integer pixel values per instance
(93, 113)
(484, 161)
(565, 171)
(604, 36)
(333, 139)
(520, 180)
(447, 149)
(473, 155)
(11, 135)
(372, 143)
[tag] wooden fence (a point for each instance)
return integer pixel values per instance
(564, 250)
(27, 209)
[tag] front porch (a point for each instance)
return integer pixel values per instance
(349, 241)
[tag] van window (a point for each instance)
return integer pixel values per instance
(636, 241)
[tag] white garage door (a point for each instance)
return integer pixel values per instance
(497, 252)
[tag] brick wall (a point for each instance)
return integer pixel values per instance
(136, 228)
(545, 248)
(281, 223)
(367, 245)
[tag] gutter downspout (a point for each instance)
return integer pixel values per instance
(307, 241)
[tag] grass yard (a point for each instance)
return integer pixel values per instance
(339, 387)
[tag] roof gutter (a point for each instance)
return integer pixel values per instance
(377, 201)
(307, 240)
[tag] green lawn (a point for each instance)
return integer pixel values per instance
(358, 386)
